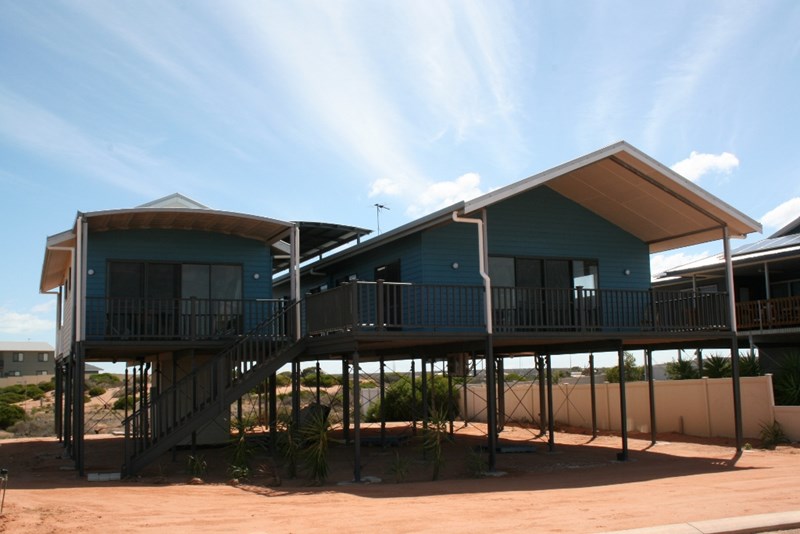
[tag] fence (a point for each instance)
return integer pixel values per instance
(702, 407)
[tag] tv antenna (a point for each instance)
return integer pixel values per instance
(378, 208)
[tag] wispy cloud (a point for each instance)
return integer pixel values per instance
(699, 164)
(782, 215)
(441, 194)
(712, 39)
(665, 261)
(39, 131)
(26, 324)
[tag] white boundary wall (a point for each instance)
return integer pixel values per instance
(702, 407)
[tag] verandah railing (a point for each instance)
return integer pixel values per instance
(393, 306)
(783, 312)
(133, 319)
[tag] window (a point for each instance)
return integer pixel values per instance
(41, 373)
(43, 356)
(17, 357)
(14, 373)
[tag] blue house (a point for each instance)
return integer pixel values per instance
(552, 264)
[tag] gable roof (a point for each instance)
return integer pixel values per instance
(25, 346)
(790, 229)
(638, 194)
(175, 200)
(620, 184)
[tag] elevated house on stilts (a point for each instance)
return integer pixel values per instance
(556, 263)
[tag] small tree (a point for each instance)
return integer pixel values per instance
(633, 372)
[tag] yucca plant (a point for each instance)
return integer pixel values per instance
(749, 365)
(288, 443)
(399, 467)
(196, 465)
(433, 440)
(314, 439)
(241, 455)
(716, 366)
(681, 370)
(476, 463)
(772, 435)
(787, 380)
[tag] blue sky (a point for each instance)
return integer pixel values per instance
(319, 110)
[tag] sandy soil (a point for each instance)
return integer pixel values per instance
(578, 488)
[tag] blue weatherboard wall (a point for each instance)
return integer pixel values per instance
(544, 224)
(180, 246)
(444, 245)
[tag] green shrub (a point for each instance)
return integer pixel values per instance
(104, 379)
(325, 380)
(96, 391)
(681, 370)
(33, 392)
(15, 388)
(400, 406)
(48, 386)
(10, 397)
(283, 379)
(516, 377)
(123, 402)
(10, 415)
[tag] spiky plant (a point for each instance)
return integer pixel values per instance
(749, 365)
(716, 366)
(433, 440)
(787, 380)
(772, 435)
(314, 439)
(681, 370)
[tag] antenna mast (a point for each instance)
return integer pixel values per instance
(378, 208)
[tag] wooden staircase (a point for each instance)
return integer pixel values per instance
(170, 416)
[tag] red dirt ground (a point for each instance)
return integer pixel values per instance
(578, 488)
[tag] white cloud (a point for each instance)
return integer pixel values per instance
(385, 186)
(669, 260)
(782, 215)
(25, 324)
(699, 164)
(441, 194)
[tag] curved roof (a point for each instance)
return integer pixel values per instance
(60, 247)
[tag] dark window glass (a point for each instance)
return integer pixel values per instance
(125, 280)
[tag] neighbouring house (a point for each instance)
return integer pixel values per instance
(26, 358)
(766, 277)
(194, 300)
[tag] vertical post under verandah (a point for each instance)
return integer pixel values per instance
(501, 401)
(652, 394)
(593, 391)
(551, 439)
(491, 404)
(623, 408)
(424, 386)
(356, 419)
(383, 401)
(737, 394)
(542, 385)
(346, 401)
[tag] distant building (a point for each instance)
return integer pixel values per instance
(26, 358)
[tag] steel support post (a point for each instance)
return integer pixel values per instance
(424, 386)
(356, 418)
(648, 354)
(491, 403)
(593, 391)
(551, 437)
(346, 401)
(542, 384)
(383, 401)
(501, 395)
(623, 407)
